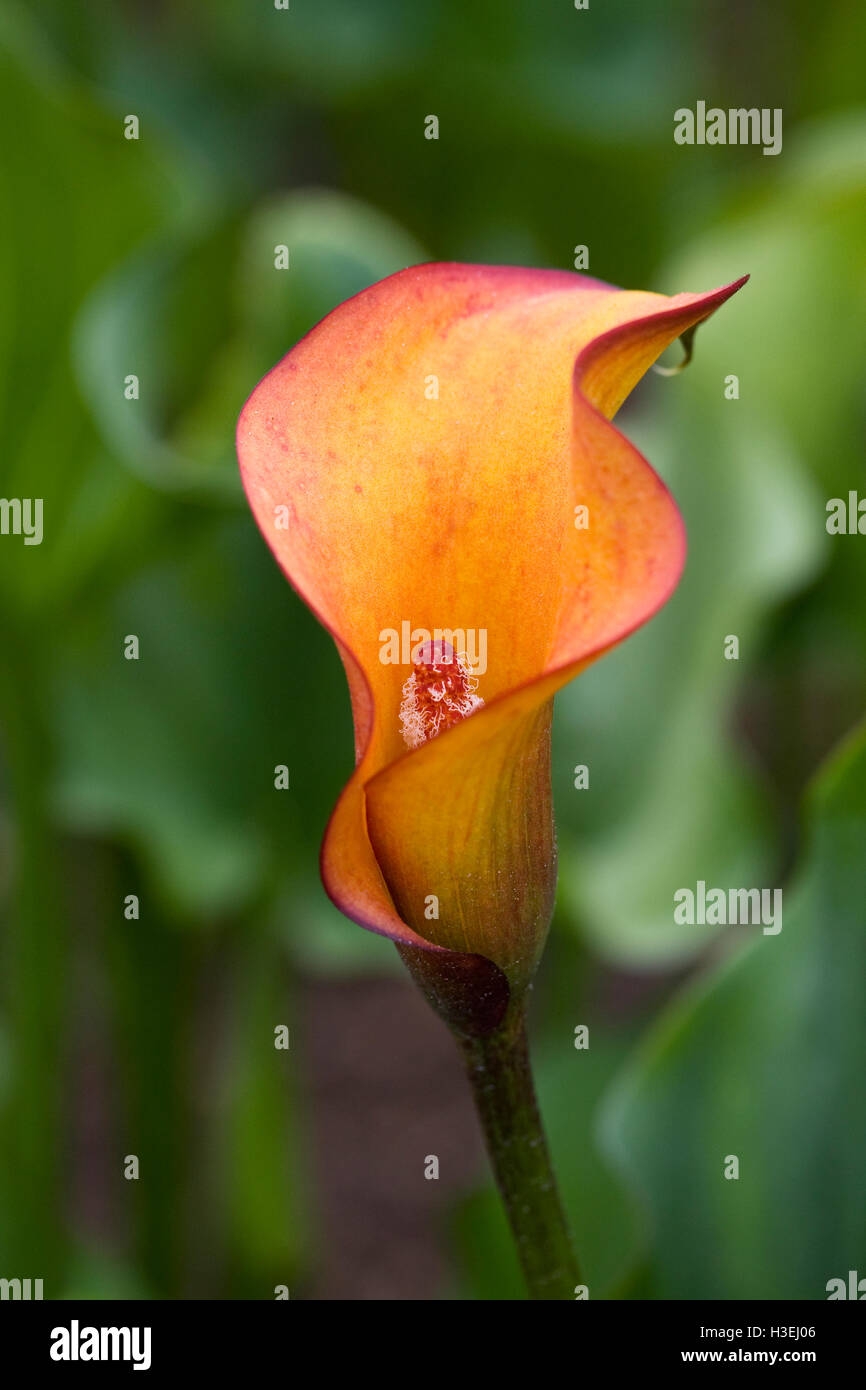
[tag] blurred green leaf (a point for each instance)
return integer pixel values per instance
(763, 1060)
(93, 1275)
(319, 47)
(83, 197)
(176, 751)
(264, 1181)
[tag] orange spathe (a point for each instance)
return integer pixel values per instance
(428, 443)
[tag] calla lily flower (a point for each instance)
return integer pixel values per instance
(435, 470)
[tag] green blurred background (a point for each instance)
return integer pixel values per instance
(154, 1036)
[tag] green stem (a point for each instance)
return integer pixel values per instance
(501, 1078)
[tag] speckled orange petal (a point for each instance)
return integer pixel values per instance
(427, 445)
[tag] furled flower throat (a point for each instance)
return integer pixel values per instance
(439, 693)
